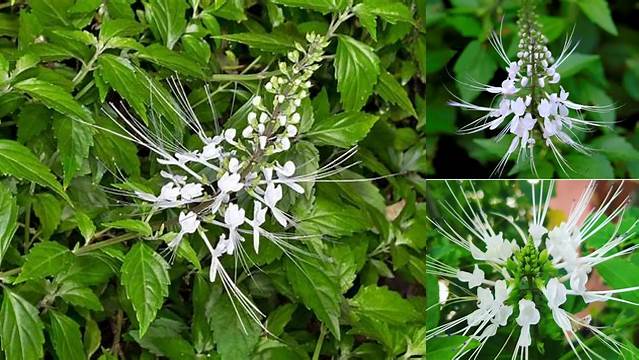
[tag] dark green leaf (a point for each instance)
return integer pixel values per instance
(356, 70)
(146, 281)
(45, 259)
(22, 330)
(66, 337)
(8, 219)
(342, 130)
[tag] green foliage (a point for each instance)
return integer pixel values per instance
(84, 269)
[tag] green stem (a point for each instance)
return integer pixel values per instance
(86, 68)
(320, 342)
(243, 77)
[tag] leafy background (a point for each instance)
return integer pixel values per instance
(82, 276)
(603, 70)
(512, 198)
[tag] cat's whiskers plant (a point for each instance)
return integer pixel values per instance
(235, 181)
(527, 281)
(531, 105)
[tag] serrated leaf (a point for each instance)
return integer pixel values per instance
(17, 160)
(388, 10)
(74, 141)
(166, 19)
(391, 90)
(342, 130)
(22, 330)
(85, 225)
(136, 226)
(331, 218)
(164, 339)
(146, 281)
(79, 295)
(45, 259)
(356, 70)
(323, 6)
(265, 42)
(119, 27)
(235, 337)
(616, 147)
(49, 211)
(66, 337)
(114, 151)
(311, 282)
(385, 305)
(56, 98)
(8, 219)
(172, 60)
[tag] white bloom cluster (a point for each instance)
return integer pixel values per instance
(530, 103)
(549, 266)
(234, 180)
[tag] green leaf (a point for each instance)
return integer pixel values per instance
(22, 330)
(79, 295)
(323, 6)
(85, 225)
(17, 160)
(45, 259)
(391, 90)
(49, 211)
(592, 166)
(116, 152)
(66, 337)
(172, 60)
(616, 147)
(388, 10)
(74, 141)
(311, 282)
(55, 98)
(445, 348)
(146, 281)
(385, 305)
(235, 337)
(264, 42)
(279, 317)
(575, 63)
(164, 339)
(333, 219)
(356, 70)
(599, 13)
(136, 226)
(166, 19)
(475, 64)
(119, 27)
(342, 130)
(615, 272)
(8, 219)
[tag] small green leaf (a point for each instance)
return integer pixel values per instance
(136, 226)
(146, 281)
(66, 337)
(79, 295)
(74, 141)
(615, 272)
(49, 211)
(323, 6)
(616, 147)
(85, 225)
(391, 90)
(8, 219)
(356, 70)
(22, 330)
(45, 259)
(264, 42)
(342, 130)
(119, 27)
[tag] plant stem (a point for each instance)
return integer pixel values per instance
(320, 342)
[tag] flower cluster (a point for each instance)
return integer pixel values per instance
(534, 275)
(530, 104)
(234, 179)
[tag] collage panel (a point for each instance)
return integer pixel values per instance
(532, 89)
(532, 269)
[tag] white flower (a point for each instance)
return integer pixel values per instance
(474, 279)
(528, 315)
(259, 217)
(191, 191)
(230, 182)
(188, 225)
(257, 101)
